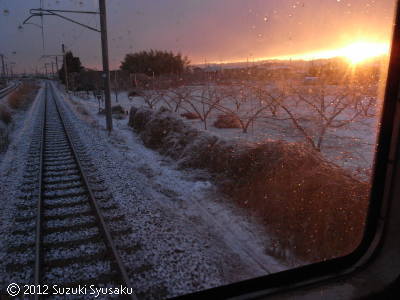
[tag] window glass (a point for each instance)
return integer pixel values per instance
(244, 132)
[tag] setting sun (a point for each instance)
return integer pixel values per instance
(355, 52)
(360, 51)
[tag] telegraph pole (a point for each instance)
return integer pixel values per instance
(65, 67)
(3, 65)
(12, 68)
(106, 68)
(57, 65)
(40, 12)
(55, 57)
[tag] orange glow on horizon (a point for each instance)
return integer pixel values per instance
(355, 53)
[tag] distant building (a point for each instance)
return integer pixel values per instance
(93, 80)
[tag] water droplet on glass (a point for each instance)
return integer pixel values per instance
(6, 12)
(265, 19)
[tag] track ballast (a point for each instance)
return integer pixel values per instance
(64, 212)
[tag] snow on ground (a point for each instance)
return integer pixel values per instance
(188, 233)
(351, 147)
(12, 164)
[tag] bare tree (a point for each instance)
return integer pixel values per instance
(98, 94)
(152, 97)
(365, 99)
(116, 86)
(247, 106)
(203, 101)
(314, 110)
(177, 97)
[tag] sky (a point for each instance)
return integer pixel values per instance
(204, 30)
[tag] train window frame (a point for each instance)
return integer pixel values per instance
(378, 247)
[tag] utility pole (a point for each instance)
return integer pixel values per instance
(12, 68)
(40, 12)
(106, 68)
(3, 65)
(57, 64)
(55, 57)
(65, 67)
(45, 67)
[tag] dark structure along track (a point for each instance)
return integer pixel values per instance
(73, 244)
(9, 90)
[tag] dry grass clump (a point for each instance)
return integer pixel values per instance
(191, 115)
(22, 96)
(309, 206)
(5, 115)
(227, 121)
(5, 120)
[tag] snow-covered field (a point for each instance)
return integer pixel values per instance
(350, 145)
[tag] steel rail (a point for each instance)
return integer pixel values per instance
(39, 239)
(103, 227)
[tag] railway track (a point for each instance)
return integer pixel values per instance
(64, 213)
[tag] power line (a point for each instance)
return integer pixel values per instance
(104, 44)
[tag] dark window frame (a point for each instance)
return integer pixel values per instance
(379, 224)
